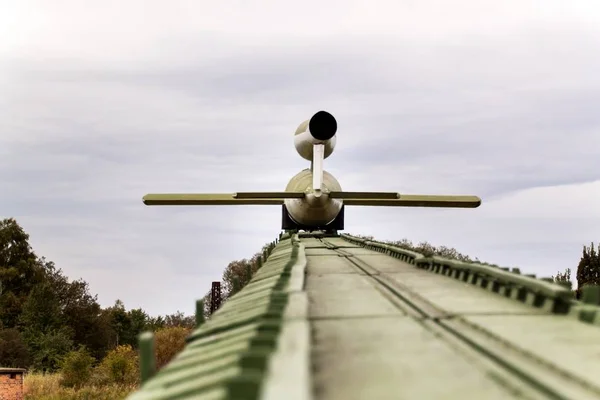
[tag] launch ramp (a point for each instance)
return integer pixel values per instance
(347, 318)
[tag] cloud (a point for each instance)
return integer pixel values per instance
(111, 103)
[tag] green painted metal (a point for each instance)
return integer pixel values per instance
(524, 288)
(364, 195)
(147, 356)
(269, 195)
(409, 200)
(204, 199)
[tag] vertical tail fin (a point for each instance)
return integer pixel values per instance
(317, 168)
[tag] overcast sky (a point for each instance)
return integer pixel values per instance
(103, 102)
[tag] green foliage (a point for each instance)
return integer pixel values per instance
(120, 322)
(120, 366)
(235, 276)
(13, 351)
(239, 273)
(44, 315)
(41, 311)
(429, 250)
(44, 332)
(155, 323)
(76, 368)
(81, 312)
(180, 320)
(168, 342)
(206, 303)
(426, 249)
(139, 320)
(563, 278)
(49, 348)
(588, 270)
(20, 271)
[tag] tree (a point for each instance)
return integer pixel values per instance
(588, 270)
(76, 368)
(41, 311)
(139, 320)
(429, 250)
(563, 278)
(120, 322)
(235, 276)
(206, 303)
(20, 271)
(13, 350)
(155, 323)
(43, 314)
(49, 348)
(239, 273)
(44, 331)
(80, 311)
(180, 320)
(10, 308)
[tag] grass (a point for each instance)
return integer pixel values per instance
(38, 386)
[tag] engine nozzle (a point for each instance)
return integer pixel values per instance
(322, 126)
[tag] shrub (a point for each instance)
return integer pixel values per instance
(168, 342)
(118, 366)
(76, 368)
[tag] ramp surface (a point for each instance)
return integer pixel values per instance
(347, 318)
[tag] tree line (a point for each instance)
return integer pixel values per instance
(44, 316)
(588, 270)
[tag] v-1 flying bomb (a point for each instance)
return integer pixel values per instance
(313, 199)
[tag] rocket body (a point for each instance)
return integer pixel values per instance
(312, 210)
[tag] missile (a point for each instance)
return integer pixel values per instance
(313, 199)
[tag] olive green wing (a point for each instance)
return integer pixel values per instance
(215, 199)
(385, 199)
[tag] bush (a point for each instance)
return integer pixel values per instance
(76, 368)
(168, 342)
(119, 366)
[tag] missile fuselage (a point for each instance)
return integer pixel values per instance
(317, 208)
(312, 210)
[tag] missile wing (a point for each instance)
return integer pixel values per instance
(388, 199)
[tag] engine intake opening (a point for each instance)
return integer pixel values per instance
(322, 126)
